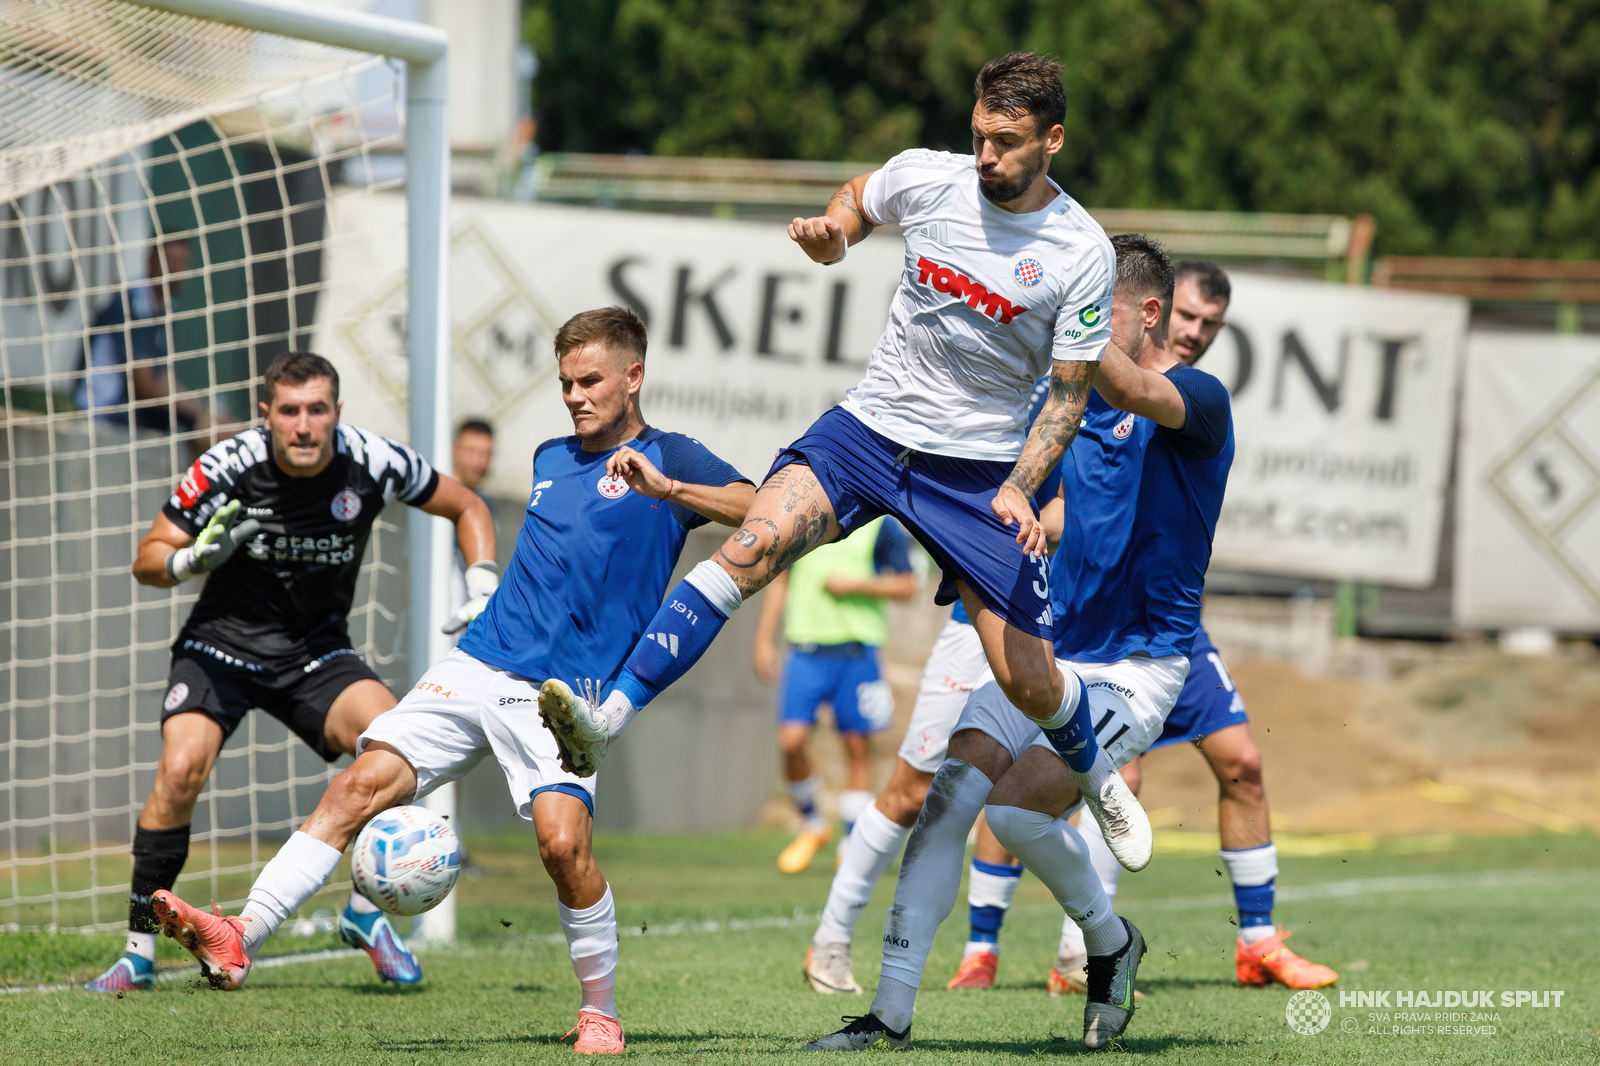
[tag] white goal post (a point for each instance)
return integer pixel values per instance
(86, 88)
(425, 52)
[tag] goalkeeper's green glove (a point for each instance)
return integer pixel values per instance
(214, 545)
(483, 578)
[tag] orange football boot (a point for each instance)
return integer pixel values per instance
(1268, 961)
(597, 1034)
(216, 941)
(977, 971)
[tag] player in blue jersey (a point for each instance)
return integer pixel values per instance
(1210, 714)
(1005, 278)
(610, 509)
(1141, 491)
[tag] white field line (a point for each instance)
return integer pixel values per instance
(193, 971)
(1357, 887)
(1374, 886)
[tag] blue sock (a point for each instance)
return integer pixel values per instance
(985, 923)
(1074, 740)
(1254, 903)
(674, 640)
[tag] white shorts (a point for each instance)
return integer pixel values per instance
(1129, 701)
(462, 710)
(955, 667)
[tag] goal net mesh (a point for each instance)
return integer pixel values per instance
(165, 232)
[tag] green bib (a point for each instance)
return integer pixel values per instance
(813, 616)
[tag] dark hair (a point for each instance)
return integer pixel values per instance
(1023, 83)
(1143, 268)
(297, 368)
(614, 327)
(475, 425)
(1212, 279)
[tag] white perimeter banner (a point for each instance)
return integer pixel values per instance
(1342, 395)
(749, 340)
(1343, 400)
(1528, 530)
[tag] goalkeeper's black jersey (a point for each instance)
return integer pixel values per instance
(286, 595)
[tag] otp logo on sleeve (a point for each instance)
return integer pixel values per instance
(1028, 272)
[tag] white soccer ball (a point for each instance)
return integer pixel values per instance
(406, 860)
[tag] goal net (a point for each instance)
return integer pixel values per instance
(165, 232)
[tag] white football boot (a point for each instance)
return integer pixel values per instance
(581, 731)
(1121, 818)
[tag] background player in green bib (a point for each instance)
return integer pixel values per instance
(832, 605)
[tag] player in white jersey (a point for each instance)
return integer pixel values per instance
(1006, 278)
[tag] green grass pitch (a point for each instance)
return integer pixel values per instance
(1469, 914)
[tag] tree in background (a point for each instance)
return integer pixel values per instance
(1467, 127)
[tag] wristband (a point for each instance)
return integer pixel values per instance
(671, 488)
(180, 569)
(842, 254)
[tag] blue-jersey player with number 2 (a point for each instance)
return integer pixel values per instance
(609, 513)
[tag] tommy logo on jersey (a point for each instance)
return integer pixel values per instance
(1123, 428)
(194, 483)
(346, 506)
(944, 279)
(612, 486)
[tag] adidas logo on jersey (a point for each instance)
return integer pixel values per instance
(668, 641)
(944, 279)
(1044, 617)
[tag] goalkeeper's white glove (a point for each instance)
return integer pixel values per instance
(482, 579)
(214, 545)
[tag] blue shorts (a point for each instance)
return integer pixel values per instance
(943, 501)
(1208, 702)
(845, 676)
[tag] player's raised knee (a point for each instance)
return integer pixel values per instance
(563, 849)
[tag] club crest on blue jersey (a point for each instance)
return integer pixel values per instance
(346, 506)
(1123, 428)
(1028, 272)
(612, 487)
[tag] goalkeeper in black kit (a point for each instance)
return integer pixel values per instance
(279, 517)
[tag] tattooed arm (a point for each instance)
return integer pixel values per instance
(1053, 430)
(826, 237)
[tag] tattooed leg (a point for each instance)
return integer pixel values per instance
(790, 516)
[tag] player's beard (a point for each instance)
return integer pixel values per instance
(1002, 191)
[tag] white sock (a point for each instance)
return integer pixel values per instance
(867, 854)
(1105, 863)
(619, 711)
(1071, 943)
(140, 944)
(301, 866)
(851, 803)
(1249, 868)
(360, 904)
(804, 794)
(894, 1002)
(930, 874)
(713, 582)
(1106, 936)
(1091, 779)
(994, 890)
(1056, 854)
(592, 943)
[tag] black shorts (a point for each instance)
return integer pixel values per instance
(224, 688)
